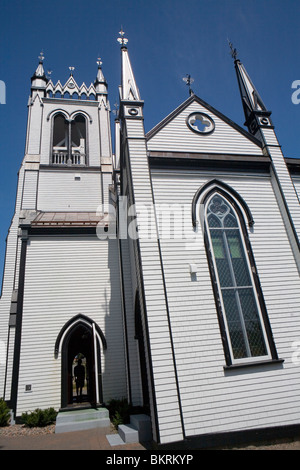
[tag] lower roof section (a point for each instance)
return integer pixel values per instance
(70, 219)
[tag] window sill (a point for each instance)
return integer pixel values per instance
(254, 364)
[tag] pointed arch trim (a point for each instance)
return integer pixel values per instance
(224, 189)
(69, 117)
(74, 321)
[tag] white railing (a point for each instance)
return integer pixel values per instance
(63, 158)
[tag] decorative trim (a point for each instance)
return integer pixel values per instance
(69, 116)
(257, 285)
(62, 230)
(268, 362)
(196, 116)
(190, 100)
(224, 189)
(75, 169)
(209, 161)
(133, 111)
(75, 320)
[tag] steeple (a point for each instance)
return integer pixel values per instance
(129, 90)
(39, 79)
(256, 114)
(100, 83)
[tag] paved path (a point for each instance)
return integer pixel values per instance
(93, 439)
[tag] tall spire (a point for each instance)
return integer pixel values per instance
(100, 83)
(129, 90)
(39, 79)
(256, 113)
(40, 73)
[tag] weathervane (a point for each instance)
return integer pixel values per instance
(233, 50)
(41, 57)
(123, 41)
(71, 70)
(188, 80)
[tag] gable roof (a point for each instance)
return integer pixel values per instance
(173, 133)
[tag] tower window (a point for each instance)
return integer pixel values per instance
(242, 320)
(69, 141)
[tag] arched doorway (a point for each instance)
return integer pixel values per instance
(80, 339)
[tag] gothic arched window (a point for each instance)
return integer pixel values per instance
(69, 140)
(246, 332)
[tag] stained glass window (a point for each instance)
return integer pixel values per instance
(237, 291)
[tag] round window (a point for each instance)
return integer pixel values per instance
(200, 123)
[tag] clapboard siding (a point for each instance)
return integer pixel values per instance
(176, 136)
(10, 276)
(9, 364)
(284, 182)
(153, 289)
(134, 365)
(30, 189)
(65, 277)
(296, 181)
(214, 401)
(61, 191)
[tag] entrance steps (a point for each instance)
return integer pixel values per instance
(139, 430)
(81, 420)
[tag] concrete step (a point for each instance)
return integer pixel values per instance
(139, 429)
(80, 420)
(142, 423)
(128, 433)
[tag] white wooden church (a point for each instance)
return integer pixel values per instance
(171, 266)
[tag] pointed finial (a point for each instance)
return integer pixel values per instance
(99, 62)
(233, 50)
(41, 57)
(188, 80)
(116, 110)
(123, 41)
(71, 70)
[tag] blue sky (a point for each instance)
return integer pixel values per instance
(167, 40)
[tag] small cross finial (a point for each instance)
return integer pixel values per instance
(71, 70)
(41, 57)
(99, 62)
(233, 50)
(188, 80)
(123, 41)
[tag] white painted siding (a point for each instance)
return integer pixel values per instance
(9, 365)
(62, 191)
(9, 277)
(296, 181)
(284, 183)
(134, 365)
(33, 143)
(176, 136)
(214, 400)
(64, 277)
(170, 428)
(106, 181)
(30, 189)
